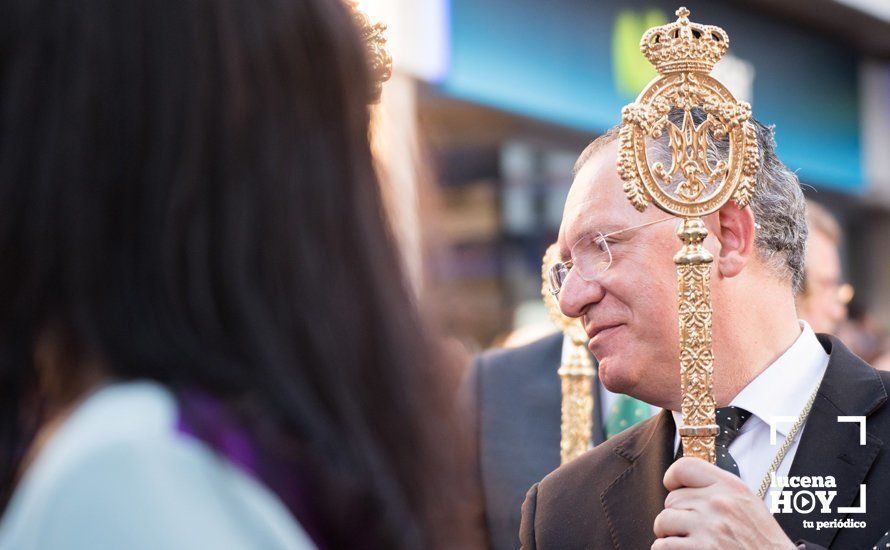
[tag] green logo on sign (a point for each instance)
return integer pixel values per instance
(630, 69)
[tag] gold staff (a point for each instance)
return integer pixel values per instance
(575, 372)
(684, 54)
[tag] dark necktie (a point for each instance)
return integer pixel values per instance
(730, 421)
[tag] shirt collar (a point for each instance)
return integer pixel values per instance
(784, 387)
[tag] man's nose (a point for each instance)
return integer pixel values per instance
(577, 295)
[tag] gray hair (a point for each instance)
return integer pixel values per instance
(778, 203)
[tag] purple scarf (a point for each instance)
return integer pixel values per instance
(208, 420)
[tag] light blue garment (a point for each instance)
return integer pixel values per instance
(118, 475)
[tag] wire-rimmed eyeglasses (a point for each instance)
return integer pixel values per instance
(591, 256)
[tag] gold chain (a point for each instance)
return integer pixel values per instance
(786, 444)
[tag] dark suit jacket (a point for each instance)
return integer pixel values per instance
(609, 497)
(516, 401)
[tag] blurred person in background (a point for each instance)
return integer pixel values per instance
(823, 302)
(206, 339)
(868, 336)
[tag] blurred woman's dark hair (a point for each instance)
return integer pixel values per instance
(187, 195)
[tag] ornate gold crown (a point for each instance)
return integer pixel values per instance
(684, 46)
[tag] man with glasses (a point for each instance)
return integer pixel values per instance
(823, 301)
(619, 278)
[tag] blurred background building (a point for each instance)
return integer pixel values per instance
(498, 97)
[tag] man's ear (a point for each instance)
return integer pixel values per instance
(735, 231)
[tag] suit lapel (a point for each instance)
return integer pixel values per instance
(637, 495)
(849, 388)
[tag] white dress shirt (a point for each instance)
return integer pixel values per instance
(782, 389)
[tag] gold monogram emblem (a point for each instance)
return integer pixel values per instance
(691, 161)
(684, 53)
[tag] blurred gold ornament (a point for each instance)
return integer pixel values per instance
(575, 372)
(379, 59)
(691, 187)
(845, 293)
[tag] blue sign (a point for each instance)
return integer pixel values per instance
(556, 61)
